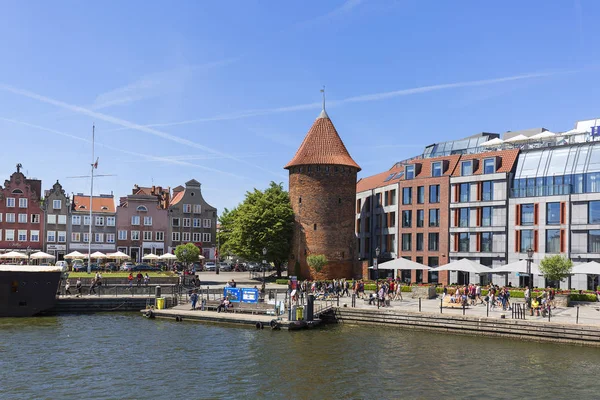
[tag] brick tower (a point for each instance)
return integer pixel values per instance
(323, 194)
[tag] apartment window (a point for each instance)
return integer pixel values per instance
(487, 240)
(62, 237)
(489, 165)
(99, 237)
(463, 242)
(433, 261)
(465, 190)
(110, 221)
(175, 222)
(434, 193)
(196, 237)
(526, 240)
(122, 235)
(187, 208)
(22, 235)
(553, 213)
(10, 202)
(175, 236)
(486, 216)
(593, 241)
(51, 236)
(420, 218)
(207, 223)
(22, 202)
(86, 220)
(148, 221)
(147, 236)
(35, 218)
(434, 217)
(206, 237)
(487, 189)
(56, 204)
(76, 219)
(160, 236)
(377, 199)
(406, 241)
(553, 241)
(86, 237)
(99, 221)
(409, 172)
(197, 222)
(185, 237)
(197, 209)
(436, 168)
(392, 219)
(135, 220)
(393, 197)
(406, 218)
(110, 238)
(34, 236)
(10, 217)
(466, 168)
(22, 218)
(594, 212)
(407, 195)
(419, 242)
(62, 219)
(51, 219)
(10, 235)
(1, 217)
(135, 235)
(463, 220)
(527, 214)
(187, 222)
(433, 242)
(75, 237)
(420, 194)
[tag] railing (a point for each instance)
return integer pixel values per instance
(544, 190)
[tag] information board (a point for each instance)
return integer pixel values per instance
(234, 294)
(249, 295)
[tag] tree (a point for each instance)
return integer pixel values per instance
(316, 262)
(556, 268)
(264, 219)
(187, 253)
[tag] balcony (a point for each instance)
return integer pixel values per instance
(545, 190)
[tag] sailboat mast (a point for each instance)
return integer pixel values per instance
(89, 267)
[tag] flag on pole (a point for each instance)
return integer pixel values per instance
(96, 163)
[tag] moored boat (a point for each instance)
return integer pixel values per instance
(27, 290)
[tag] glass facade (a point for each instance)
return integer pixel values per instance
(486, 216)
(594, 212)
(487, 190)
(462, 146)
(553, 241)
(553, 213)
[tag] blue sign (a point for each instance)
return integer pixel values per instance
(249, 295)
(234, 294)
(595, 130)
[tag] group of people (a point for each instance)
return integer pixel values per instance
(542, 303)
(139, 278)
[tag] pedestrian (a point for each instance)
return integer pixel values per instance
(146, 279)
(78, 287)
(130, 280)
(194, 299)
(67, 288)
(527, 296)
(139, 277)
(399, 291)
(93, 287)
(346, 288)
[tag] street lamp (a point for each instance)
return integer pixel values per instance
(28, 255)
(529, 260)
(375, 266)
(264, 262)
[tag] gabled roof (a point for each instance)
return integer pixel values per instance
(379, 180)
(99, 204)
(508, 159)
(322, 145)
(177, 198)
(192, 182)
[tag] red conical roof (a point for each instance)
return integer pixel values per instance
(322, 145)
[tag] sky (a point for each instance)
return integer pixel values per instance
(224, 92)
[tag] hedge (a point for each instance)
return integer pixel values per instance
(582, 297)
(281, 281)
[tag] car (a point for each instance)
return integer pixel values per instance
(224, 267)
(210, 266)
(84, 267)
(196, 267)
(111, 266)
(126, 266)
(144, 267)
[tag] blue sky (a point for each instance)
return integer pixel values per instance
(224, 92)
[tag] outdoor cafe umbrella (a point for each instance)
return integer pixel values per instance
(517, 267)
(118, 255)
(543, 135)
(13, 254)
(40, 255)
(150, 257)
(201, 257)
(401, 263)
(590, 268)
(75, 254)
(168, 256)
(493, 142)
(464, 265)
(98, 255)
(516, 139)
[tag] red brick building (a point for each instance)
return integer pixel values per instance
(323, 194)
(21, 224)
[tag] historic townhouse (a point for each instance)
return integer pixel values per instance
(56, 213)
(21, 225)
(103, 220)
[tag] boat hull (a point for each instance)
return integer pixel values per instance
(27, 293)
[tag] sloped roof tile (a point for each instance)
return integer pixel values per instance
(508, 159)
(99, 204)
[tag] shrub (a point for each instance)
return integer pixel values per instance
(281, 281)
(406, 289)
(583, 297)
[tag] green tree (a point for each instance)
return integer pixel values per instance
(187, 253)
(316, 262)
(556, 268)
(264, 219)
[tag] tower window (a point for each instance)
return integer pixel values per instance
(315, 227)
(318, 167)
(339, 200)
(299, 200)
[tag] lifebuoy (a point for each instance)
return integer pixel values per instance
(259, 325)
(178, 318)
(149, 314)
(274, 324)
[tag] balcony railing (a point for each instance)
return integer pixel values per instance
(545, 190)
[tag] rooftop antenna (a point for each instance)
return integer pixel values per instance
(323, 112)
(323, 91)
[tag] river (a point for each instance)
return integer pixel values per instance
(126, 356)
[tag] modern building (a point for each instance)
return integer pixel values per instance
(142, 222)
(21, 225)
(192, 220)
(56, 209)
(322, 179)
(103, 223)
(479, 198)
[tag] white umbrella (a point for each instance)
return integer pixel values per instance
(516, 139)
(573, 132)
(13, 254)
(75, 254)
(150, 257)
(543, 135)
(590, 268)
(40, 255)
(401, 263)
(98, 255)
(518, 266)
(118, 255)
(492, 142)
(201, 257)
(168, 256)
(464, 265)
